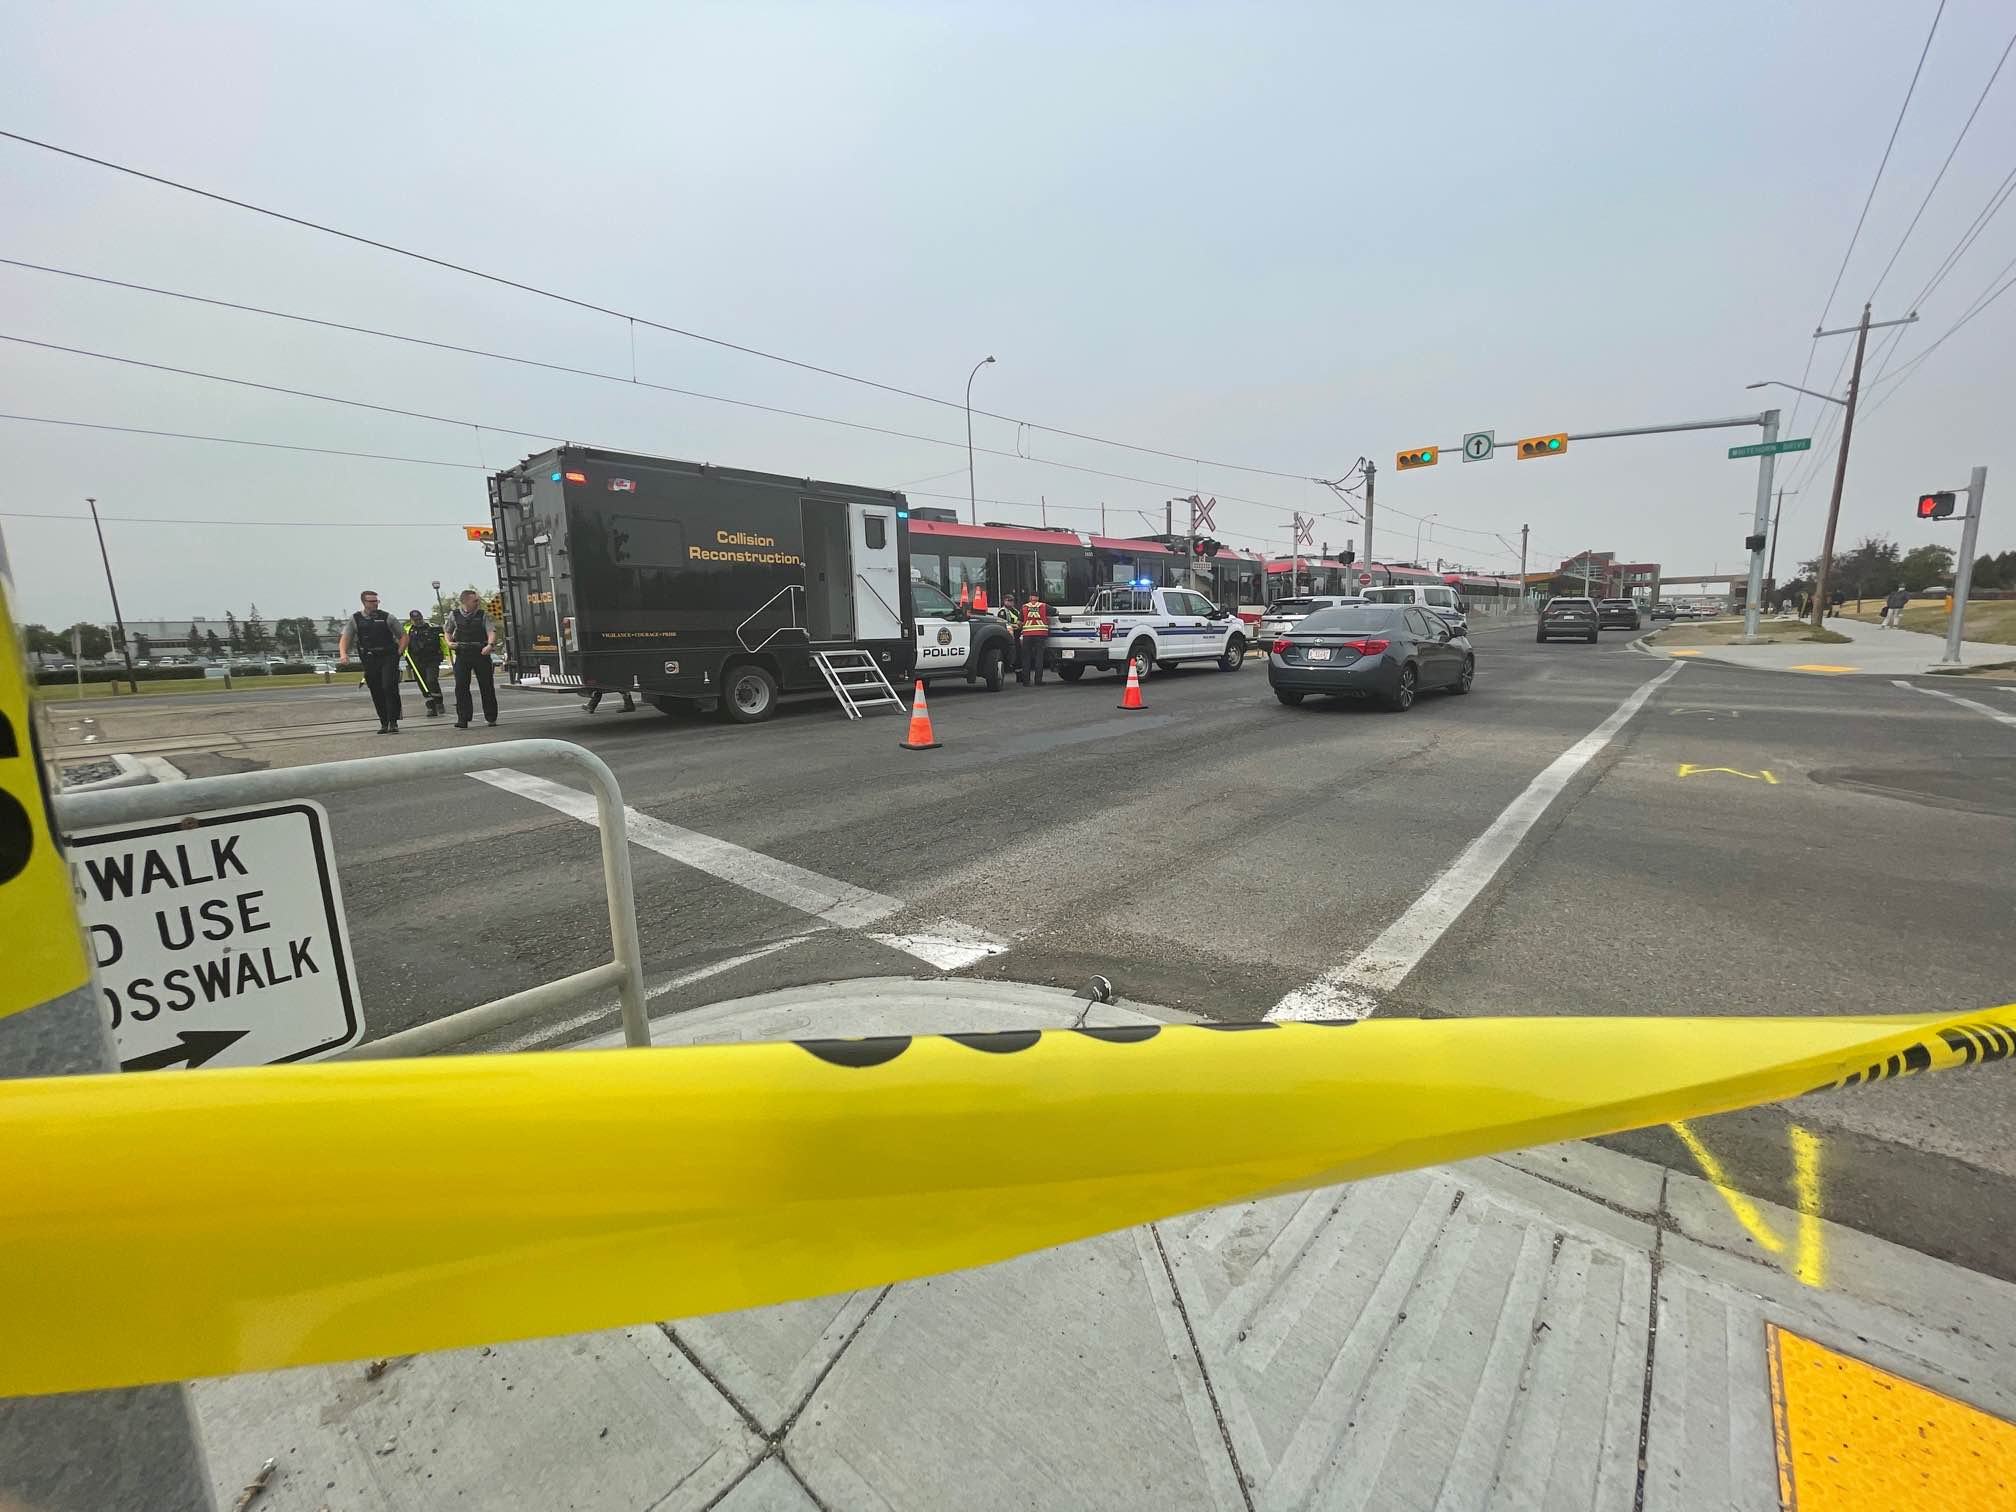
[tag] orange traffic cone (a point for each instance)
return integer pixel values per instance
(965, 595)
(920, 737)
(980, 599)
(1131, 699)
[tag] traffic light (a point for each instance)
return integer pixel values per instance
(1421, 456)
(1204, 546)
(1935, 506)
(1347, 556)
(1542, 446)
(478, 532)
(1753, 543)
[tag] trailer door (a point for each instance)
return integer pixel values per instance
(877, 595)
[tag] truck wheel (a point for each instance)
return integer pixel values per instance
(1235, 655)
(749, 695)
(1070, 671)
(991, 663)
(1142, 654)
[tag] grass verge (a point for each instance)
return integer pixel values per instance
(68, 692)
(1722, 632)
(1989, 620)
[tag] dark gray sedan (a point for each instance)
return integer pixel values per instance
(1384, 651)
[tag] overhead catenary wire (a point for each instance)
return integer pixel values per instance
(634, 319)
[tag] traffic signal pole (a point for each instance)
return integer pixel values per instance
(1371, 477)
(1963, 574)
(1753, 598)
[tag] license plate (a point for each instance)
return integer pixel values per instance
(1067, 655)
(1318, 653)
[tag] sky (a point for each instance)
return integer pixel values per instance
(1281, 236)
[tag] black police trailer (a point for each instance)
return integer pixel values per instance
(684, 583)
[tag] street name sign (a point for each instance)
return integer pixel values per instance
(1479, 446)
(1770, 448)
(220, 938)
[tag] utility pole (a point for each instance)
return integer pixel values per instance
(1963, 575)
(1371, 476)
(1190, 546)
(1861, 328)
(1523, 532)
(119, 622)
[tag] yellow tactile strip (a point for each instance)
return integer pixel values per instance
(1859, 1439)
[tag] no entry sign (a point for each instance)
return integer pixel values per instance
(220, 938)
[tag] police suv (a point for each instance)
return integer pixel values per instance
(1152, 627)
(953, 639)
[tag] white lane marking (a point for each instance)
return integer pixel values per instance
(1349, 991)
(950, 946)
(1966, 703)
(836, 902)
(582, 1020)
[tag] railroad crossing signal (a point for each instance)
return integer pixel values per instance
(1200, 513)
(1543, 446)
(1305, 530)
(1422, 456)
(1935, 506)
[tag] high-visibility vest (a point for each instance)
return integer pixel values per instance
(1035, 617)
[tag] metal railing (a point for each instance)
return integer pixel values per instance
(625, 973)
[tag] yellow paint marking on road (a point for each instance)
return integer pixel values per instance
(1745, 1210)
(1854, 1438)
(1683, 653)
(1809, 1265)
(1688, 769)
(1827, 667)
(1809, 1248)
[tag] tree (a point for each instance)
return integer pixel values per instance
(1925, 565)
(91, 640)
(1871, 566)
(195, 641)
(143, 646)
(211, 644)
(252, 634)
(296, 636)
(40, 638)
(231, 631)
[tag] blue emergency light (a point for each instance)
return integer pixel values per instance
(556, 477)
(1143, 583)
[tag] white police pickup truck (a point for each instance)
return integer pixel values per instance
(1153, 627)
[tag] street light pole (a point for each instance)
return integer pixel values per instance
(132, 682)
(1771, 569)
(972, 493)
(1417, 536)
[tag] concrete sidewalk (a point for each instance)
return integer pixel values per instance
(1874, 651)
(1563, 1328)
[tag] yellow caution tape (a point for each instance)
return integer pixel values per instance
(43, 953)
(158, 1227)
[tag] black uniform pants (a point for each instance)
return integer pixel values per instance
(468, 660)
(1030, 668)
(381, 676)
(427, 673)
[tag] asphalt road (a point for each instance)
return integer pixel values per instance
(1218, 852)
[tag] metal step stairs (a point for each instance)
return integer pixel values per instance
(857, 680)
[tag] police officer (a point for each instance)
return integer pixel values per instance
(1035, 640)
(473, 637)
(373, 635)
(422, 649)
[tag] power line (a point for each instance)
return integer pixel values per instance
(1862, 219)
(1884, 163)
(19, 514)
(1941, 174)
(634, 319)
(588, 372)
(326, 451)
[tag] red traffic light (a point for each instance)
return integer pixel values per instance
(1935, 506)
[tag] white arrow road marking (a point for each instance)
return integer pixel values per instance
(1966, 703)
(1349, 991)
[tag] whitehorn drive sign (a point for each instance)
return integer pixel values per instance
(220, 938)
